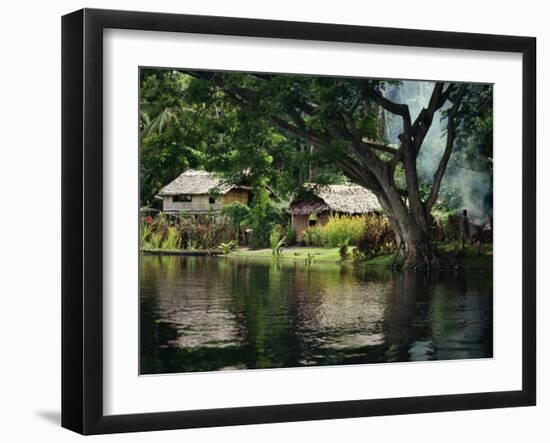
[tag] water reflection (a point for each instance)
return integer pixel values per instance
(203, 314)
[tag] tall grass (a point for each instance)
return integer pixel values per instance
(340, 229)
(157, 235)
(172, 239)
(145, 231)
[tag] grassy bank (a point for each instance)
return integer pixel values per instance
(293, 253)
(198, 252)
(318, 254)
(468, 259)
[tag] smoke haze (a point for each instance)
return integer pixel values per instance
(473, 188)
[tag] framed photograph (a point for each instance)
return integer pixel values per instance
(269, 221)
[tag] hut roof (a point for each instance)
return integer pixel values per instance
(194, 182)
(350, 199)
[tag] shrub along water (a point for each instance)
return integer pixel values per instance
(371, 234)
(158, 234)
(205, 232)
(378, 238)
(200, 232)
(339, 229)
(263, 217)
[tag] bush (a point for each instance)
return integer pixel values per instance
(171, 239)
(276, 235)
(205, 232)
(377, 238)
(290, 235)
(226, 248)
(343, 250)
(277, 240)
(312, 236)
(158, 234)
(371, 234)
(236, 212)
(199, 232)
(263, 216)
(145, 232)
(444, 225)
(339, 229)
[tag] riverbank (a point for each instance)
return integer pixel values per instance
(194, 253)
(468, 259)
(292, 253)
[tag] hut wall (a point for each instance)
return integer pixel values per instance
(167, 202)
(240, 195)
(199, 203)
(300, 224)
(323, 218)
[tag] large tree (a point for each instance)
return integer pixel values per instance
(259, 118)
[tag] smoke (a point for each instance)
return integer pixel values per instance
(464, 188)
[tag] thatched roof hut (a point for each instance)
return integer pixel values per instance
(198, 192)
(346, 199)
(326, 200)
(195, 182)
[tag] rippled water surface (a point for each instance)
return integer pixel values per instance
(206, 314)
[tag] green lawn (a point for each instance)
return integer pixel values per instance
(292, 253)
(319, 254)
(468, 259)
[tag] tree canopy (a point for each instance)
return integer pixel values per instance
(283, 130)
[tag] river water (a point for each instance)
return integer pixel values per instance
(220, 313)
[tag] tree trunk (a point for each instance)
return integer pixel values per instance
(412, 230)
(420, 252)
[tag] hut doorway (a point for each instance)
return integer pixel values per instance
(312, 219)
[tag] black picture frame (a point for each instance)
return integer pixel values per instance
(82, 215)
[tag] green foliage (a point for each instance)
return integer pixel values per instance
(171, 239)
(165, 118)
(263, 216)
(343, 249)
(290, 235)
(204, 232)
(371, 234)
(145, 231)
(377, 238)
(226, 248)
(445, 224)
(236, 212)
(474, 142)
(275, 236)
(155, 241)
(312, 236)
(277, 240)
(194, 121)
(157, 234)
(279, 131)
(277, 248)
(338, 230)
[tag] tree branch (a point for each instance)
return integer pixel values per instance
(424, 120)
(451, 133)
(352, 168)
(378, 147)
(395, 108)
